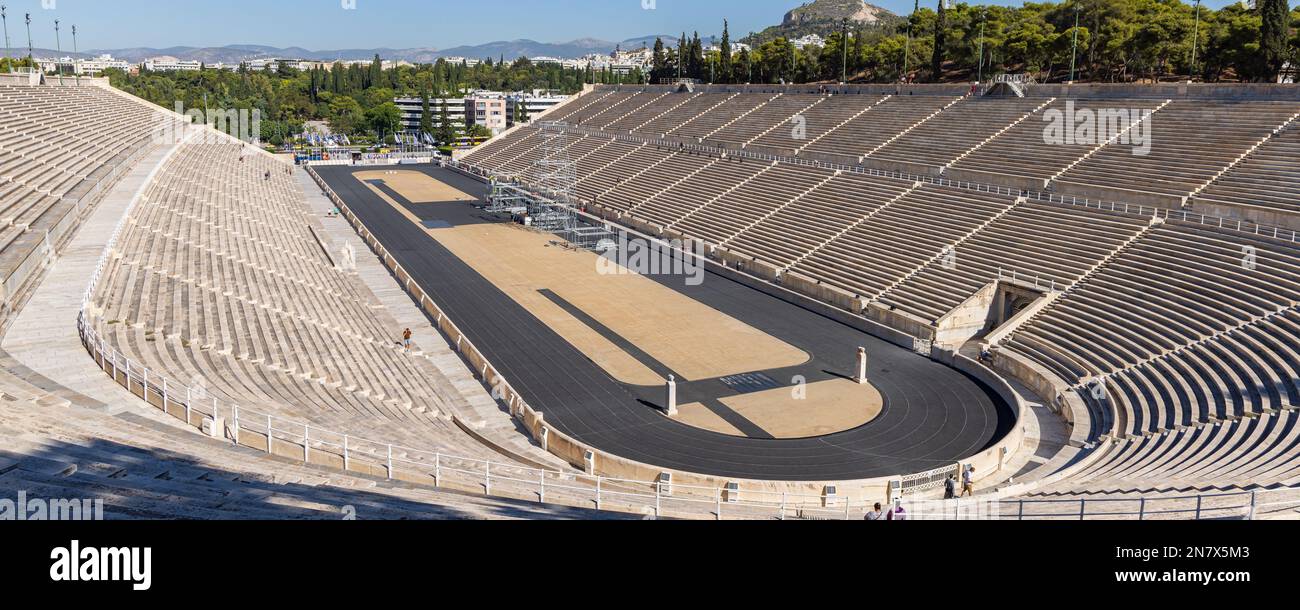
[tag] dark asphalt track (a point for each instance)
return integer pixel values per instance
(933, 415)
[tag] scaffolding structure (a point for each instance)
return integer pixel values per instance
(507, 198)
(555, 177)
(544, 197)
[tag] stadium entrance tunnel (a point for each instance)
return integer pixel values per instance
(996, 309)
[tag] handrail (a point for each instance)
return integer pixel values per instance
(1038, 281)
(312, 445)
(296, 439)
(281, 436)
(1101, 205)
(1192, 506)
(1014, 275)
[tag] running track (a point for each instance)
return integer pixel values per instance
(933, 415)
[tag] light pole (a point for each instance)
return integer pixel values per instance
(4, 17)
(1196, 39)
(58, 46)
(1074, 49)
(30, 52)
(984, 16)
(75, 71)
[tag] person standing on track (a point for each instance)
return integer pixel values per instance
(406, 340)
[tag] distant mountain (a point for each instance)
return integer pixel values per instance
(824, 17)
(233, 54)
(834, 11)
(515, 49)
(39, 52)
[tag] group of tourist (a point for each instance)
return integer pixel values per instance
(967, 484)
(898, 513)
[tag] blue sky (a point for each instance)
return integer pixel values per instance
(326, 24)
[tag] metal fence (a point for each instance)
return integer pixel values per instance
(313, 445)
(1243, 226)
(1243, 505)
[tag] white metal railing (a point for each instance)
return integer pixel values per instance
(1198, 511)
(375, 159)
(315, 445)
(1245, 505)
(318, 446)
(1036, 280)
(1273, 231)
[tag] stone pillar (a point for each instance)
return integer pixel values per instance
(218, 428)
(670, 402)
(862, 366)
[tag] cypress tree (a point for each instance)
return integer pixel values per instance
(940, 39)
(1274, 15)
(724, 68)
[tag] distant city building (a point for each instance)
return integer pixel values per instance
(171, 64)
(82, 67)
(463, 60)
(811, 40)
(413, 110)
(571, 64)
(492, 109)
(535, 102)
(487, 110)
(736, 47)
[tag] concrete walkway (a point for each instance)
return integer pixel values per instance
(44, 337)
(469, 396)
(1046, 446)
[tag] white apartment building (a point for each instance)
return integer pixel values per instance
(171, 64)
(82, 67)
(463, 60)
(491, 109)
(536, 102)
(811, 40)
(413, 110)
